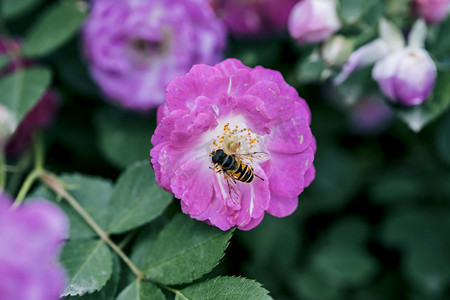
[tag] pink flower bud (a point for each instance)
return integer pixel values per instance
(37, 118)
(406, 76)
(254, 17)
(313, 21)
(433, 11)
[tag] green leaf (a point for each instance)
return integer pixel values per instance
(344, 265)
(311, 69)
(136, 198)
(144, 241)
(441, 45)
(428, 265)
(141, 290)
(337, 179)
(55, 26)
(108, 291)
(21, 90)
(224, 288)
(185, 250)
(418, 116)
(349, 230)
(12, 8)
(442, 141)
(308, 286)
(352, 11)
(4, 60)
(88, 264)
(93, 194)
(123, 138)
(406, 229)
(396, 188)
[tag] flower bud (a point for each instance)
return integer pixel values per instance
(406, 76)
(370, 116)
(313, 21)
(254, 18)
(7, 124)
(39, 117)
(433, 11)
(337, 50)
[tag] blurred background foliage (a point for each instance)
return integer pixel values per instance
(374, 224)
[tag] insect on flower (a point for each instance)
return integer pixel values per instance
(236, 166)
(233, 143)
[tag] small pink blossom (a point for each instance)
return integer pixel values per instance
(254, 17)
(313, 21)
(406, 76)
(240, 110)
(433, 11)
(30, 239)
(405, 73)
(134, 48)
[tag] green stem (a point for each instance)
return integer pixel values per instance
(38, 152)
(57, 186)
(31, 178)
(127, 239)
(175, 291)
(35, 174)
(17, 173)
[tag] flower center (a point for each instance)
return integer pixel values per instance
(234, 137)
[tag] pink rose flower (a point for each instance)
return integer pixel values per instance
(134, 48)
(313, 21)
(248, 113)
(30, 239)
(433, 11)
(254, 17)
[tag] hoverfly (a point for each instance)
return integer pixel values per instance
(237, 167)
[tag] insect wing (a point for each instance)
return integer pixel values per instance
(253, 158)
(233, 189)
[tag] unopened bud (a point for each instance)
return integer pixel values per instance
(313, 21)
(406, 76)
(337, 50)
(7, 124)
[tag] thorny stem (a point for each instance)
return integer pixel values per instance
(56, 185)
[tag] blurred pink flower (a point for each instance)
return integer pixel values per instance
(30, 239)
(134, 48)
(312, 21)
(254, 17)
(242, 111)
(433, 11)
(370, 115)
